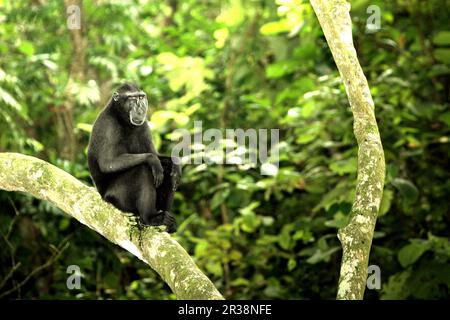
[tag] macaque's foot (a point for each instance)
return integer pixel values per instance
(163, 218)
(133, 220)
(170, 222)
(155, 220)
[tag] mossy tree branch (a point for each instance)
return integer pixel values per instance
(356, 237)
(155, 247)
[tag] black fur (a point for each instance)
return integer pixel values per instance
(126, 169)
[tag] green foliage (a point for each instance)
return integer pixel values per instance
(235, 64)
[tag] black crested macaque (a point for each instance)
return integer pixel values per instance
(123, 162)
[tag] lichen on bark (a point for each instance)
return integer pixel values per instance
(356, 236)
(152, 245)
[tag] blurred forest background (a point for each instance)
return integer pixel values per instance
(232, 64)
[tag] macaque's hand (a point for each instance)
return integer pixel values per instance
(157, 169)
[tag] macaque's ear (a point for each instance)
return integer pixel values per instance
(116, 96)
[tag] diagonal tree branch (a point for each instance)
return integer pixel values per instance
(356, 237)
(158, 249)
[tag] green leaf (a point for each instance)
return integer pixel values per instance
(106, 64)
(305, 138)
(320, 255)
(308, 133)
(232, 15)
(275, 27)
(134, 285)
(438, 70)
(292, 263)
(442, 55)
(304, 235)
(280, 69)
(284, 238)
(219, 197)
(308, 109)
(446, 118)
(267, 221)
(342, 167)
(248, 210)
(250, 222)
(85, 127)
(442, 38)
(221, 36)
(337, 195)
(36, 145)
(159, 118)
(407, 189)
(26, 48)
(385, 205)
(201, 249)
(396, 287)
(235, 255)
(10, 101)
(339, 221)
(215, 268)
(64, 223)
(412, 252)
(240, 282)
(272, 291)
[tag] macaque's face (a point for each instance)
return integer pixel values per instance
(133, 106)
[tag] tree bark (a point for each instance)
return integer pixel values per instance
(356, 237)
(153, 246)
(67, 140)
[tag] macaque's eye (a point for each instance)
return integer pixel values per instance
(133, 100)
(130, 102)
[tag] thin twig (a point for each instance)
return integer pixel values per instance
(47, 264)
(9, 275)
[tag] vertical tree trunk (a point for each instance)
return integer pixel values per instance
(66, 136)
(356, 237)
